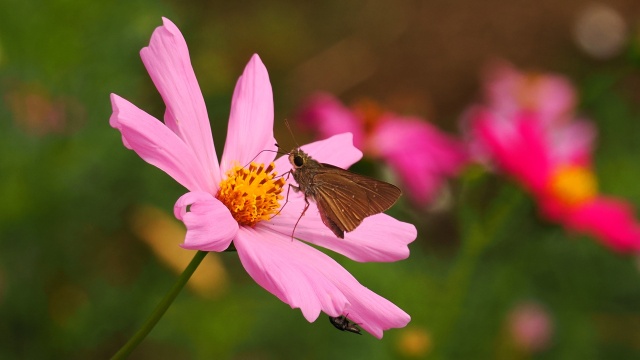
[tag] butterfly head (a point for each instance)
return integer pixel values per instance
(298, 158)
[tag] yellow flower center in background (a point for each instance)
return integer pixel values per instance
(573, 184)
(369, 112)
(251, 194)
(528, 91)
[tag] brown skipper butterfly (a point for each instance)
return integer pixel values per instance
(344, 198)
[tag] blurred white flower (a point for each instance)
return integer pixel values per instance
(600, 31)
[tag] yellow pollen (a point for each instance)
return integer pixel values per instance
(251, 194)
(573, 185)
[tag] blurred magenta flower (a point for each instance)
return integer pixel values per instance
(548, 151)
(229, 202)
(530, 327)
(417, 152)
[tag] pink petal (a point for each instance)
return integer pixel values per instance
(501, 81)
(610, 220)
(379, 237)
(572, 143)
(156, 144)
(509, 91)
(374, 313)
(251, 119)
(533, 152)
(419, 175)
(494, 138)
(168, 63)
(517, 146)
(327, 116)
(556, 98)
(305, 278)
(420, 154)
(337, 150)
(210, 226)
(398, 136)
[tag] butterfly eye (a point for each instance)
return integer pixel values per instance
(298, 161)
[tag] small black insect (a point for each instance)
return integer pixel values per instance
(343, 324)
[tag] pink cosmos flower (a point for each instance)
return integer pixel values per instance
(418, 153)
(552, 160)
(229, 202)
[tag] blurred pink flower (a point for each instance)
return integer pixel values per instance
(552, 160)
(509, 91)
(417, 152)
(38, 112)
(530, 327)
(229, 203)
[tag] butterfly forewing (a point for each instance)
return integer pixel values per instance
(335, 213)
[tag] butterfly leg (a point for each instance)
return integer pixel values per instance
(306, 206)
(286, 200)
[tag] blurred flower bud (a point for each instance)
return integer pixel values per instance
(530, 326)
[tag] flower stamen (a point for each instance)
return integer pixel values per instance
(251, 194)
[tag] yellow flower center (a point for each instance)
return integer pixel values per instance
(369, 112)
(528, 91)
(251, 194)
(573, 184)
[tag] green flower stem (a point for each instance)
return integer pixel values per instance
(479, 235)
(162, 307)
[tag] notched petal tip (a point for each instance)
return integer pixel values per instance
(116, 101)
(167, 60)
(117, 104)
(169, 25)
(167, 28)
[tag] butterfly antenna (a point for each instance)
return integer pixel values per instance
(267, 150)
(286, 122)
